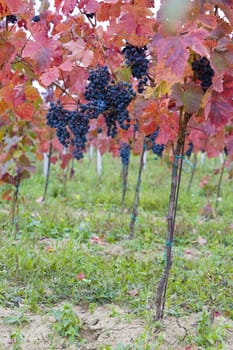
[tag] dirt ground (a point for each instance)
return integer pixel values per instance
(101, 327)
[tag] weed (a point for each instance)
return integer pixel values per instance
(16, 338)
(67, 323)
(18, 319)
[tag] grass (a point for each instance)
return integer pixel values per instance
(53, 246)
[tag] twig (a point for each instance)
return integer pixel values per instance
(193, 172)
(137, 194)
(220, 184)
(48, 170)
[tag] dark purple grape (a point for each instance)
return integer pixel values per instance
(204, 72)
(36, 18)
(158, 149)
(125, 154)
(108, 98)
(189, 150)
(11, 18)
(135, 57)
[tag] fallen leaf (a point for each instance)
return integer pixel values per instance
(98, 240)
(208, 211)
(40, 199)
(133, 292)
(80, 276)
(50, 249)
(201, 240)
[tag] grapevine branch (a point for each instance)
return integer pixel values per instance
(137, 193)
(219, 184)
(124, 178)
(48, 170)
(15, 206)
(160, 297)
(193, 172)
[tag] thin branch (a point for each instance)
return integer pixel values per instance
(137, 193)
(220, 184)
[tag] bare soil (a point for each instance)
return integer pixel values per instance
(105, 325)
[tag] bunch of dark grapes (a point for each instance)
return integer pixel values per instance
(108, 98)
(11, 19)
(152, 137)
(71, 127)
(125, 154)
(135, 57)
(189, 150)
(57, 117)
(104, 97)
(158, 149)
(79, 125)
(141, 85)
(204, 72)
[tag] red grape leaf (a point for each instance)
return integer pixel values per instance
(25, 111)
(221, 30)
(106, 10)
(68, 6)
(65, 158)
(14, 5)
(41, 50)
(49, 76)
(57, 4)
(6, 50)
(9, 179)
(227, 88)
(188, 95)
(3, 107)
(31, 94)
(66, 66)
(149, 119)
(173, 51)
(91, 6)
(196, 41)
(220, 110)
(76, 86)
(77, 52)
(222, 60)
